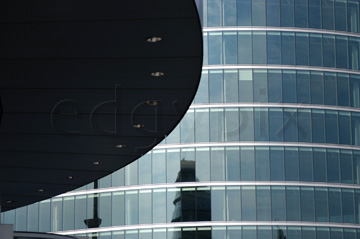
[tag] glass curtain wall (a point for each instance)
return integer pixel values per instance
(269, 149)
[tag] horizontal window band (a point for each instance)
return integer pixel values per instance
(274, 105)
(208, 224)
(209, 184)
(280, 67)
(281, 29)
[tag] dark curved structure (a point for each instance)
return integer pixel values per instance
(88, 87)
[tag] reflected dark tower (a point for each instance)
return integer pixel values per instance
(191, 205)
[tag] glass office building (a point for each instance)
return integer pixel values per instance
(269, 149)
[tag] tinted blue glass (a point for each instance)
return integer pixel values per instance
(230, 47)
(348, 206)
(247, 164)
(202, 164)
(301, 13)
(287, 48)
(278, 212)
(215, 48)
(321, 205)
(287, 13)
(259, 47)
(291, 164)
(322, 233)
(260, 86)
(354, 56)
(332, 134)
(258, 13)
(275, 86)
(357, 205)
(232, 124)
(317, 88)
(320, 165)
(346, 166)
(232, 164)
(356, 160)
(273, 13)
(249, 232)
(328, 14)
(353, 16)
(289, 86)
(233, 194)
(308, 233)
(246, 124)
(293, 204)
(341, 52)
(355, 91)
(315, 14)
(302, 48)
(158, 166)
(264, 232)
(248, 203)
(202, 125)
(217, 123)
(263, 203)
(277, 167)
(144, 166)
(216, 87)
(355, 127)
(262, 164)
(344, 128)
(330, 88)
(276, 124)
(230, 13)
(303, 87)
(243, 12)
(217, 204)
(306, 164)
(333, 165)
(290, 125)
(329, 50)
(145, 206)
(335, 205)
(214, 16)
(261, 121)
(336, 233)
(231, 86)
(217, 164)
(316, 50)
(273, 48)
(307, 204)
(343, 90)
(245, 53)
(349, 233)
(202, 94)
(318, 123)
(340, 15)
(304, 125)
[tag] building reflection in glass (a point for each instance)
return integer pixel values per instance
(191, 204)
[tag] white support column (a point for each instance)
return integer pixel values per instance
(6, 231)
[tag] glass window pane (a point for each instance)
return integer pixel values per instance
(302, 47)
(287, 47)
(307, 204)
(217, 164)
(217, 125)
(247, 164)
(315, 48)
(217, 204)
(277, 164)
(328, 14)
(348, 206)
(343, 90)
(333, 163)
(346, 166)
(258, 13)
(335, 205)
(202, 125)
(287, 13)
(273, 46)
(187, 127)
(215, 49)
(145, 205)
(262, 164)
(244, 12)
(158, 166)
(315, 14)
(263, 203)
(246, 124)
(320, 171)
(276, 124)
(341, 52)
(244, 39)
(289, 87)
(202, 164)
(260, 86)
(233, 194)
(172, 165)
(159, 206)
(332, 134)
(273, 13)
(303, 87)
(230, 85)
(306, 164)
(230, 47)
(340, 15)
(275, 86)
(291, 164)
(232, 131)
(329, 48)
(293, 204)
(290, 125)
(278, 212)
(321, 205)
(233, 164)
(261, 124)
(304, 125)
(248, 203)
(317, 88)
(259, 47)
(318, 126)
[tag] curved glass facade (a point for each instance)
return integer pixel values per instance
(270, 147)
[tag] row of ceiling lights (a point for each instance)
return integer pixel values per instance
(137, 126)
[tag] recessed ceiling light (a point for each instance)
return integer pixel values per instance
(138, 126)
(153, 39)
(120, 146)
(41, 190)
(152, 102)
(9, 201)
(157, 73)
(96, 163)
(70, 177)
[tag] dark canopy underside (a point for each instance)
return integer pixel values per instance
(88, 86)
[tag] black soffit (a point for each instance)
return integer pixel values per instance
(89, 86)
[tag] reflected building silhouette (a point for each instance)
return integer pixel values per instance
(191, 204)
